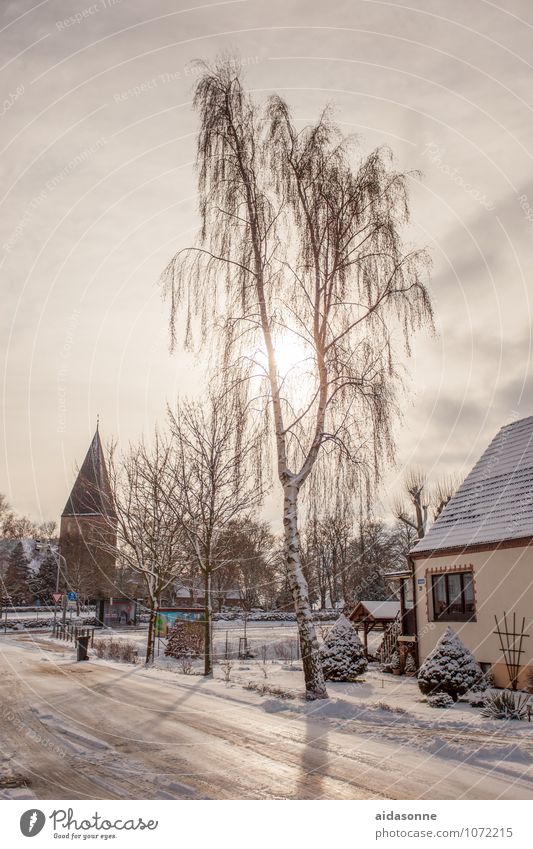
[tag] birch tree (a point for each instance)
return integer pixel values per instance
(300, 250)
(215, 471)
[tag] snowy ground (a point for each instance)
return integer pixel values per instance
(109, 730)
(277, 639)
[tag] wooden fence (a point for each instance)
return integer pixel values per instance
(70, 633)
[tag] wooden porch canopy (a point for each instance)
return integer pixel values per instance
(371, 614)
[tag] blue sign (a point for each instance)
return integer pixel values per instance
(72, 596)
(167, 617)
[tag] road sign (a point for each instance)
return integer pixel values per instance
(71, 596)
(57, 597)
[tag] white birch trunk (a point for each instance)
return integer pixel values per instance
(314, 677)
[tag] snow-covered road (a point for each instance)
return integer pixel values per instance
(100, 730)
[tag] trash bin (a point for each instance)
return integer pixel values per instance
(83, 648)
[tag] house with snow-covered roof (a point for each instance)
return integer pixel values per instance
(193, 595)
(473, 570)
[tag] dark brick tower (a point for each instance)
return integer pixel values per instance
(87, 534)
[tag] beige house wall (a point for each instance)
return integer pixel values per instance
(503, 581)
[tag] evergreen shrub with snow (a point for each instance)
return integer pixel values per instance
(185, 639)
(395, 660)
(440, 700)
(476, 696)
(486, 682)
(449, 668)
(342, 654)
(410, 665)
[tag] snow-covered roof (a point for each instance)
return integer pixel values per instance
(382, 609)
(495, 502)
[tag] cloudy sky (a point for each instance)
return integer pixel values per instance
(98, 191)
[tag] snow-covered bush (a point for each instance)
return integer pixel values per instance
(184, 640)
(440, 700)
(449, 668)
(186, 663)
(122, 650)
(286, 650)
(388, 708)
(37, 623)
(505, 704)
(269, 690)
(342, 654)
(485, 683)
(272, 616)
(410, 665)
(476, 695)
(227, 666)
(395, 661)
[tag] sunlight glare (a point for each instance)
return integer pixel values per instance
(292, 356)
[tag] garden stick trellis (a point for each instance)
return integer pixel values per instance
(511, 650)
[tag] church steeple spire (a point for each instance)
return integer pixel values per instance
(91, 493)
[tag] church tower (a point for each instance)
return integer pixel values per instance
(87, 536)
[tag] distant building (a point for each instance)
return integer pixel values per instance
(193, 596)
(476, 561)
(87, 537)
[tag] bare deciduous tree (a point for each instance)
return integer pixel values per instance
(149, 540)
(415, 514)
(247, 546)
(301, 250)
(20, 527)
(442, 492)
(215, 470)
(416, 492)
(327, 543)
